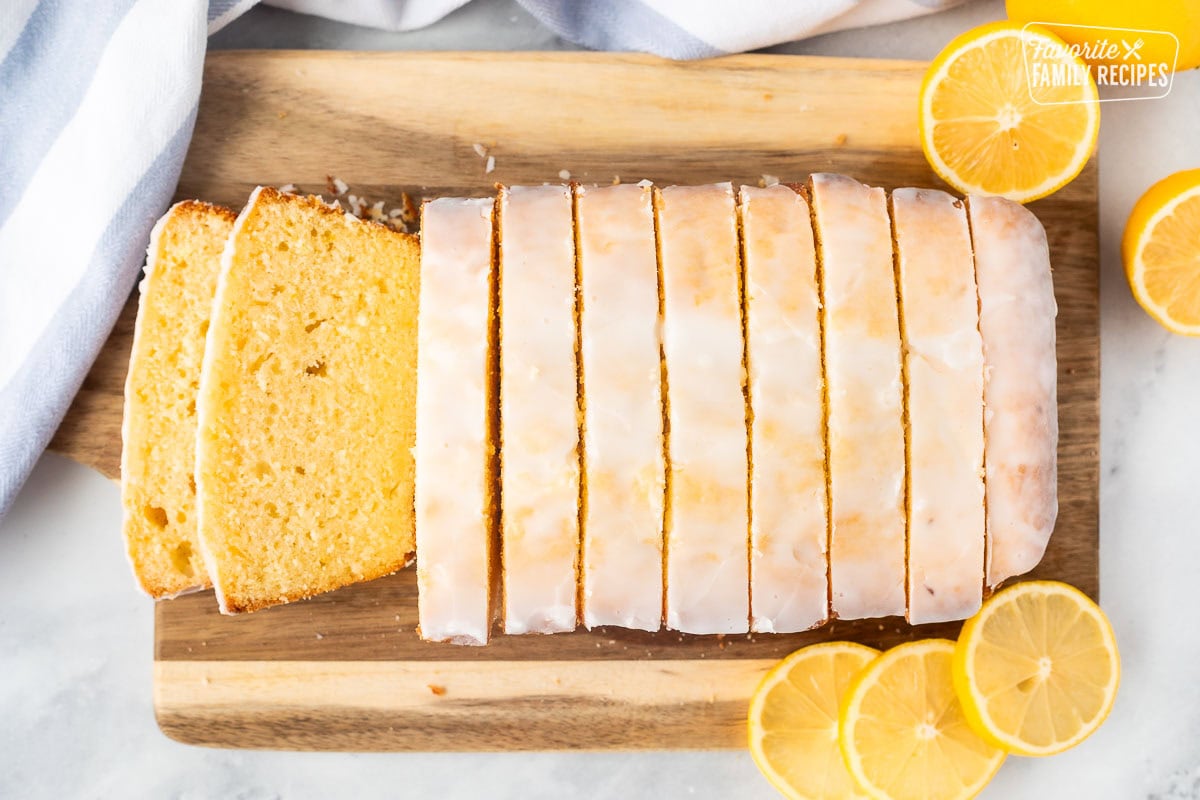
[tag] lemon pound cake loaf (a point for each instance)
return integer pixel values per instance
(158, 489)
(304, 464)
(455, 446)
(539, 409)
(1016, 321)
(944, 366)
(622, 400)
(789, 584)
(707, 548)
(863, 382)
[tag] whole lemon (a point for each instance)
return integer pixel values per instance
(1180, 17)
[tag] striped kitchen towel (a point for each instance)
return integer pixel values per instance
(96, 109)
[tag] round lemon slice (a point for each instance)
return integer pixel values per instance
(793, 721)
(904, 733)
(1162, 257)
(1007, 110)
(1037, 668)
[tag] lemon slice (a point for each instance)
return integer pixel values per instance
(794, 721)
(1162, 258)
(986, 129)
(1037, 668)
(904, 734)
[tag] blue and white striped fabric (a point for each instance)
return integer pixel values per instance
(96, 110)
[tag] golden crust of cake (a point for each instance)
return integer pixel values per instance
(158, 490)
(307, 404)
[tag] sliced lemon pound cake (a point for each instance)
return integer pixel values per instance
(944, 370)
(158, 489)
(1016, 321)
(539, 409)
(304, 465)
(789, 582)
(455, 455)
(863, 383)
(707, 548)
(622, 378)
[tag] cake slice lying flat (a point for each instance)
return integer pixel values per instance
(944, 367)
(707, 503)
(789, 582)
(304, 465)
(1016, 320)
(158, 489)
(539, 419)
(623, 448)
(455, 446)
(862, 374)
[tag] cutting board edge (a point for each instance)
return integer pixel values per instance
(457, 705)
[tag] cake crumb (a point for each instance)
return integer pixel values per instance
(491, 165)
(768, 180)
(409, 215)
(437, 689)
(290, 188)
(616, 181)
(336, 186)
(480, 150)
(839, 140)
(564, 174)
(320, 636)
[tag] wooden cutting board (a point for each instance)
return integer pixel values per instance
(346, 670)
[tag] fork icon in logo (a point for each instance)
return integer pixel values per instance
(1131, 50)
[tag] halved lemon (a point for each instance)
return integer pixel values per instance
(794, 721)
(1161, 249)
(1007, 110)
(1037, 668)
(904, 733)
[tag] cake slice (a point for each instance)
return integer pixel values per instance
(944, 370)
(539, 411)
(623, 443)
(456, 450)
(304, 465)
(789, 581)
(1016, 322)
(707, 548)
(158, 489)
(862, 377)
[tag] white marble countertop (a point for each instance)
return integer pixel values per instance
(75, 636)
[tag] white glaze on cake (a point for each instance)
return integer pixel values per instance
(539, 421)
(453, 448)
(862, 374)
(788, 525)
(707, 524)
(944, 367)
(1016, 321)
(623, 446)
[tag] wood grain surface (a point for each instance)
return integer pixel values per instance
(346, 670)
